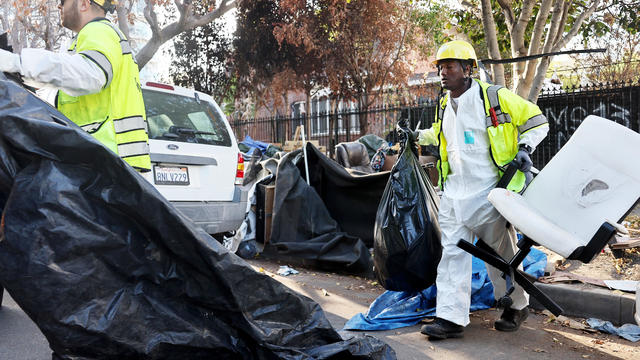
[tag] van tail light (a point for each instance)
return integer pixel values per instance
(240, 170)
(160, 86)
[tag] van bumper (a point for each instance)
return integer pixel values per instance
(216, 217)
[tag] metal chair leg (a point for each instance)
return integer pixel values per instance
(491, 258)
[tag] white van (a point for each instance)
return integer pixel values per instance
(195, 159)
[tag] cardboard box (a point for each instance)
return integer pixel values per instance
(264, 213)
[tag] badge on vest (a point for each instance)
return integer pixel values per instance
(468, 137)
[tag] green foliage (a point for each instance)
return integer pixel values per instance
(202, 60)
(433, 20)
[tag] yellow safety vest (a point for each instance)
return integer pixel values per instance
(507, 116)
(116, 115)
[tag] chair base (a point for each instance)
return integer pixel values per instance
(489, 256)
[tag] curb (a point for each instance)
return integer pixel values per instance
(586, 301)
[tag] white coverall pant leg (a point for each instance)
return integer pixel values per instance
(454, 270)
(503, 241)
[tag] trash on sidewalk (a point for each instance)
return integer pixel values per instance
(567, 277)
(108, 268)
(565, 321)
(407, 248)
(624, 285)
(625, 243)
(285, 270)
(315, 223)
(630, 332)
(395, 309)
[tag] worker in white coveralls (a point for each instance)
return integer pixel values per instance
(478, 129)
(97, 79)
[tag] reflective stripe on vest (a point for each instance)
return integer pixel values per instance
(532, 123)
(129, 124)
(133, 149)
(93, 127)
(103, 63)
(115, 116)
(124, 43)
(494, 103)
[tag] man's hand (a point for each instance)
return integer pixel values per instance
(9, 62)
(523, 159)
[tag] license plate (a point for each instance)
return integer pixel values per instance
(171, 175)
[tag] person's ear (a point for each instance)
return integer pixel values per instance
(84, 4)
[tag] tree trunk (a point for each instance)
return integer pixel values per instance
(363, 102)
(489, 24)
(534, 48)
(538, 80)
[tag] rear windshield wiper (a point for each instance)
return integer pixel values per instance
(177, 130)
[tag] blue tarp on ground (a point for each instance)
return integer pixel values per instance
(254, 144)
(630, 332)
(394, 309)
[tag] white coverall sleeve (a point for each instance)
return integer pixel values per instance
(427, 137)
(534, 136)
(71, 73)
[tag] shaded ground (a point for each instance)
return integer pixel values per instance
(618, 264)
(343, 296)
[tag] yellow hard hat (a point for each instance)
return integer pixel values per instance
(107, 5)
(456, 49)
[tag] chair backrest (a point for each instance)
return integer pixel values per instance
(353, 155)
(594, 177)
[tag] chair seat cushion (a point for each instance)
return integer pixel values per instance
(530, 222)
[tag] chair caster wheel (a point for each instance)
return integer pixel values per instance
(504, 302)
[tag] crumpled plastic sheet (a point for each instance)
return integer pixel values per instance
(630, 332)
(395, 309)
(107, 268)
(285, 270)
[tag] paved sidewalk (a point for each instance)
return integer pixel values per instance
(539, 338)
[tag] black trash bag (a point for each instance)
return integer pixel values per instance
(407, 249)
(109, 269)
(304, 229)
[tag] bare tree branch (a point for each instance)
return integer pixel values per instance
(507, 9)
(577, 24)
(187, 20)
(535, 45)
(541, 70)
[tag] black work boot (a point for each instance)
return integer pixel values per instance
(511, 319)
(442, 329)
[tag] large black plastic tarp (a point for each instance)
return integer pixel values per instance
(108, 269)
(407, 246)
(329, 223)
(351, 198)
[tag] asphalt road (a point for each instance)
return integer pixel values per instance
(20, 338)
(343, 296)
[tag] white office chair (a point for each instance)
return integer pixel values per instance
(574, 205)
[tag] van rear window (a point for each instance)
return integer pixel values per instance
(180, 118)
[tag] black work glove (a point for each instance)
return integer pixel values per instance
(523, 159)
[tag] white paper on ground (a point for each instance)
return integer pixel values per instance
(624, 285)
